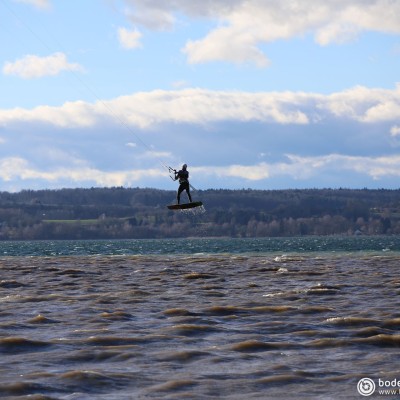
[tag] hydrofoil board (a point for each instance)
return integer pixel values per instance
(185, 205)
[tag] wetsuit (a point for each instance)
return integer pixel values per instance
(183, 176)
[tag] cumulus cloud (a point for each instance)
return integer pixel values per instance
(242, 25)
(215, 47)
(129, 39)
(32, 66)
(364, 104)
(201, 106)
(17, 168)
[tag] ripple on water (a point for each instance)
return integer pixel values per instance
(204, 326)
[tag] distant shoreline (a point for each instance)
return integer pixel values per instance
(134, 213)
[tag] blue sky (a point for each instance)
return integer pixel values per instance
(250, 94)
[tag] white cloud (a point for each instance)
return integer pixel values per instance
(363, 104)
(153, 17)
(395, 130)
(303, 168)
(242, 25)
(200, 106)
(17, 168)
(32, 66)
(70, 115)
(205, 127)
(129, 39)
(252, 173)
(375, 167)
(42, 4)
(296, 167)
(215, 47)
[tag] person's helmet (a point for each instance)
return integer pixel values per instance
(184, 166)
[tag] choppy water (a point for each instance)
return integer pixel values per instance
(199, 319)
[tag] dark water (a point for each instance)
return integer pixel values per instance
(199, 319)
(337, 244)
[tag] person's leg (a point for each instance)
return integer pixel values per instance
(178, 196)
(188, 193)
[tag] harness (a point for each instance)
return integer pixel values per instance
(183, 176)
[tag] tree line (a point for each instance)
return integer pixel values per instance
(107, 213)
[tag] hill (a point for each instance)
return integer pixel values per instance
(141, 213)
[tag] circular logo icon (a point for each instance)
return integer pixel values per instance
(366, 386)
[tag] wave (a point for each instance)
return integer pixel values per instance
(13, 345)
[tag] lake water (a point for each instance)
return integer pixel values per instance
(266, 318)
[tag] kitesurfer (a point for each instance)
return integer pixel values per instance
(183, 176)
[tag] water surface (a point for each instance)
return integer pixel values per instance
(198, 319)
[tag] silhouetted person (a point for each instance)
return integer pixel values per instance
(183, 176)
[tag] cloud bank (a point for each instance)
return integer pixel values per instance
(201, 106)
(349, 137)
(20, 173)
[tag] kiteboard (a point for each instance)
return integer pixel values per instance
(185, 206)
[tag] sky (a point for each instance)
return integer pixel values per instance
(259, 94)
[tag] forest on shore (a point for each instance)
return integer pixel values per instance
(123, 213)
